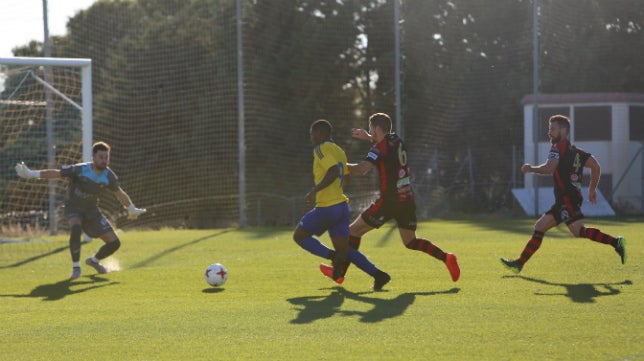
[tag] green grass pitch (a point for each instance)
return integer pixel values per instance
(573, 301)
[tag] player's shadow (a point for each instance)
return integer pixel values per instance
(319, 307)
(580, 292)
(59, 290)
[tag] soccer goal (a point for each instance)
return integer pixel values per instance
(46, 121)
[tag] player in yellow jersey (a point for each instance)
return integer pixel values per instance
(331, 212)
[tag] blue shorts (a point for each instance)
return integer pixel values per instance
(334, 219)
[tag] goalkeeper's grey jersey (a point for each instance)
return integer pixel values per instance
(85, 185)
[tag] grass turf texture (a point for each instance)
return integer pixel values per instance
(573, 301)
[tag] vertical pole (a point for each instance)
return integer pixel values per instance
(51, 150)
(258, 215)
(471, 166)
(240, 120)
(87, 112)
(513, 178)
(641, 151)
(535, 93)
(87, 124)
(399, 122)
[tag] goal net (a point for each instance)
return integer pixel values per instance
(196, 152)
(46, 122)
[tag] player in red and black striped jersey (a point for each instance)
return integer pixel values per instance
(389, 157)
(566, 164)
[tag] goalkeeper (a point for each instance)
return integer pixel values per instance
(81, 204)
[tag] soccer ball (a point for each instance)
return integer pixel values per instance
(216, 275)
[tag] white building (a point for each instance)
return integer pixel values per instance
(608, 125)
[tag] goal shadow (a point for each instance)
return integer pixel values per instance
(168, 251)
(59, 290)
(36, 257)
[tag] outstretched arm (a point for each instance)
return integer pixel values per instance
(595, 174)
(361, 134)
(125, 200)
(24, 172)
(546, 168)
(360, 168)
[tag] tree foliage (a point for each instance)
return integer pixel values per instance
(466, 64)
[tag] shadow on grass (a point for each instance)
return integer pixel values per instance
(59, 290)
(521, 227)
(213, 290)
(581, 292)
(387, 236)
(168, 251)
(35, 258)
(320, 307)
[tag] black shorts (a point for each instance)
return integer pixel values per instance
(566, 211)
(93, 222)
(381, 211)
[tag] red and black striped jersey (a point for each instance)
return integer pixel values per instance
(570, 170)
(389, 156)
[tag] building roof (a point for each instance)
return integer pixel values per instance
(568, 98)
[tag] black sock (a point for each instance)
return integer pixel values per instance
(75, 242)
(108, 249)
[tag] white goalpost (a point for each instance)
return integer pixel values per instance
(85, 107)
(45, 121)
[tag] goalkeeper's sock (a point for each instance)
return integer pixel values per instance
(596, 235)
(315, 247)
(107, 250)
(532, 246)
(75, 242)
(423, 245)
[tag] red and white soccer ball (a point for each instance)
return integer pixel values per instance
(216, 275)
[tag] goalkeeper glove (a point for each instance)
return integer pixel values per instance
(133, 212)
(24, 172)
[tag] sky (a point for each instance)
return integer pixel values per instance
(22, 20)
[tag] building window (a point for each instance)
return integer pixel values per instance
(593, 123)
(544, 114)
(636, 123)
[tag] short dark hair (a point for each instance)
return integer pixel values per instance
(562, 120)
(381, 120)
(323, 127)
(100, 146)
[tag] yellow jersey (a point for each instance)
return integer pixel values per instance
(326, 155)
